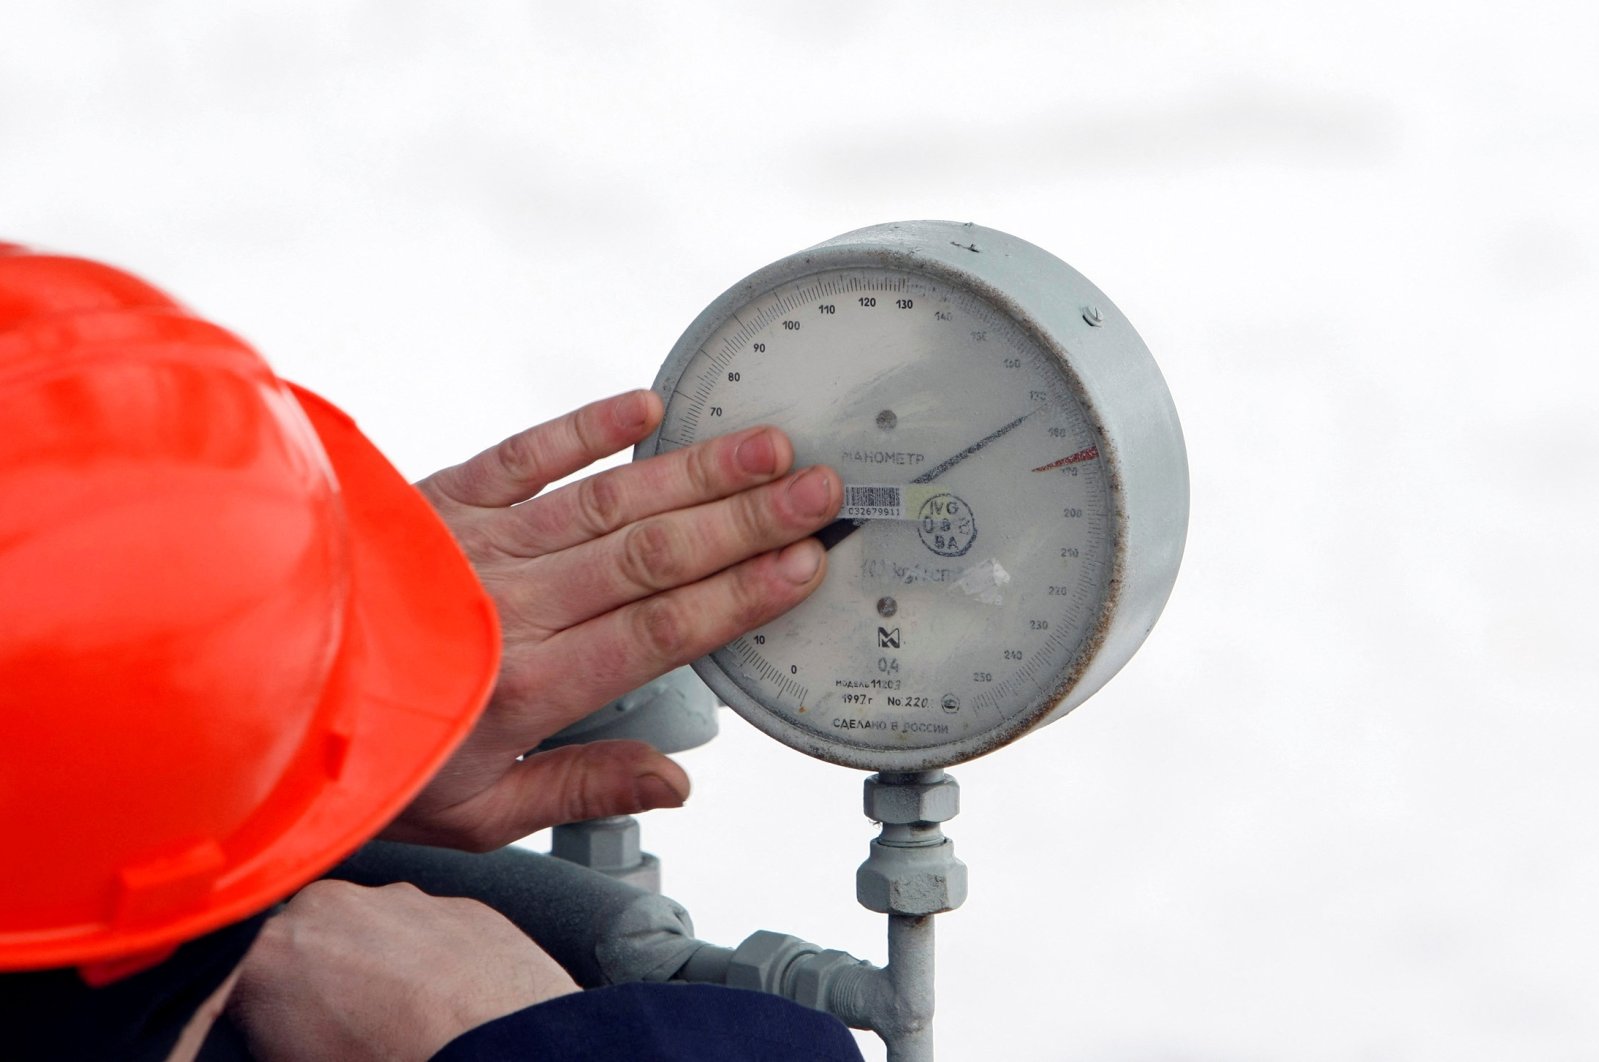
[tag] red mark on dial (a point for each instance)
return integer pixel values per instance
(1080, 456)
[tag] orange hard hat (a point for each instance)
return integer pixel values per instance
(234, 642)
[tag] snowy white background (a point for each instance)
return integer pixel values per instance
(1344, 803)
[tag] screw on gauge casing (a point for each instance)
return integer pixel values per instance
(1092, 315)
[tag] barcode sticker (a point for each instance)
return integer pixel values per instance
(885, 501)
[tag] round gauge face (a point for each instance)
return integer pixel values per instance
(968, 575)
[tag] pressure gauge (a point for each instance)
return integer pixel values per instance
(1016, 487)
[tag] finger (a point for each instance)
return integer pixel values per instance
(667, 551)
(568, 784)
(524, 464)
(598, 661)
(598, 505)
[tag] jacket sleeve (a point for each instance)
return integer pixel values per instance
(660, 1023)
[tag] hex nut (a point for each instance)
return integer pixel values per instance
(602, 844)
(759, 962)
(939, 801)
(814, 976)
(911, 881)
(646, 875)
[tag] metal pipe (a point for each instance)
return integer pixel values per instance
(910, 973)
(602, 930)
(605, 930)
(708, 965)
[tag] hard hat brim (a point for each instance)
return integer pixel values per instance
(417, 661)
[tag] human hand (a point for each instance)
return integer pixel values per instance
(391, 973)
(601, 586)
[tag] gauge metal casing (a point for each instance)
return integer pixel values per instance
(1126, 412)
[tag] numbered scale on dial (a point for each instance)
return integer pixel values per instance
(1016, 487)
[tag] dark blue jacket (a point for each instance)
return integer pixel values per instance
(659, 1023)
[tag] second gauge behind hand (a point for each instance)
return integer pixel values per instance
(839, 530)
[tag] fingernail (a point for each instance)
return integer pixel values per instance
(799, 562)
(633, 411)
(653, 791)
(811, 492)
(756, 455)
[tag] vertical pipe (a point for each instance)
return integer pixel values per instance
(910, 971)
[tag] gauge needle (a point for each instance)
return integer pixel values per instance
(839, 530)
(1086, 454)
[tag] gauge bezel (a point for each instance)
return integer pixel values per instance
(1113, 376)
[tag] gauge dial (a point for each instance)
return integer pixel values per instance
(977, 571)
